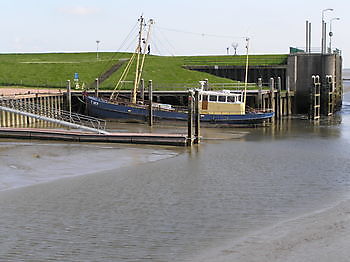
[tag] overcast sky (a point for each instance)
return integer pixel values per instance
(183, 27)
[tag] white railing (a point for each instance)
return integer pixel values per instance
(46, 113)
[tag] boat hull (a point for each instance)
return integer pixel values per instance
(99, 108)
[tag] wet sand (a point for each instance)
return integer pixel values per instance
(321, 236)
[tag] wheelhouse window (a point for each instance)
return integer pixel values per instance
(213, 98)
(231, 99)
(222, 99)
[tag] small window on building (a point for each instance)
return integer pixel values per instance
(222, 98)
(212, 98)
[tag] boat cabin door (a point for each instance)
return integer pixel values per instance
(205, 102)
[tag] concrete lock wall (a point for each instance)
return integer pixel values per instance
(301, 68)
(295, 75)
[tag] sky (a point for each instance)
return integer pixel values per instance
(182, 27)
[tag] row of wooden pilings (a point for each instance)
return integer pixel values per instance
(48, 102)
(275, 99)
(193, 119)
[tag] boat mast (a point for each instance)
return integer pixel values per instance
(138, 69)
(150, 23)
(246, 73)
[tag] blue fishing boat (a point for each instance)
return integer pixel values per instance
(217, 107)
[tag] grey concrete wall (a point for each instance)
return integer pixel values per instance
(301, 68)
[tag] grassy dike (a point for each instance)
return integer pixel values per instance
(53, 69)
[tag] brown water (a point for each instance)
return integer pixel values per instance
(90, 202)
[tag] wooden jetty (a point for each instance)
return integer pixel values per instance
(13, 124)
(76, 136)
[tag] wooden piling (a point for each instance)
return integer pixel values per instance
(150, 102)
(97, 87)
(196, 117)
(279, 108)
(190, 118)
(260, 96)
(69, 97)
(272, 96)
(142, 90)
(289, 99)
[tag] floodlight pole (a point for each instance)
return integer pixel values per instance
(331, 32)
(97, 43)
(323, 40)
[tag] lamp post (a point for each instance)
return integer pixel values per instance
(323, 41)
(331, 33)
(97, 43)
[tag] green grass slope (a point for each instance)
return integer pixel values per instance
(54, 69)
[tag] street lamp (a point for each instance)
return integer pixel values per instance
(97, 43)
(323, 41)
(331, 33)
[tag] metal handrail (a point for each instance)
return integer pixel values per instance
(54, 113)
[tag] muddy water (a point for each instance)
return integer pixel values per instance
(74, 202)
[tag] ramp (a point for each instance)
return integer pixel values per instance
(53, 115)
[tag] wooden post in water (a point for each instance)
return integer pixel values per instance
(150, 102)
(289, 102)
(197, 118)
(190, 118)
(260, 98)
(97, 87)
(142, 91)
(279, 98)
(272, 95)
(69, 98)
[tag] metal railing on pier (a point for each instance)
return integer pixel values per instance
(34, 109)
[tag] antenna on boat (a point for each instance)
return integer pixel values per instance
(140, 66)
(138, 51)
(246, 72)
